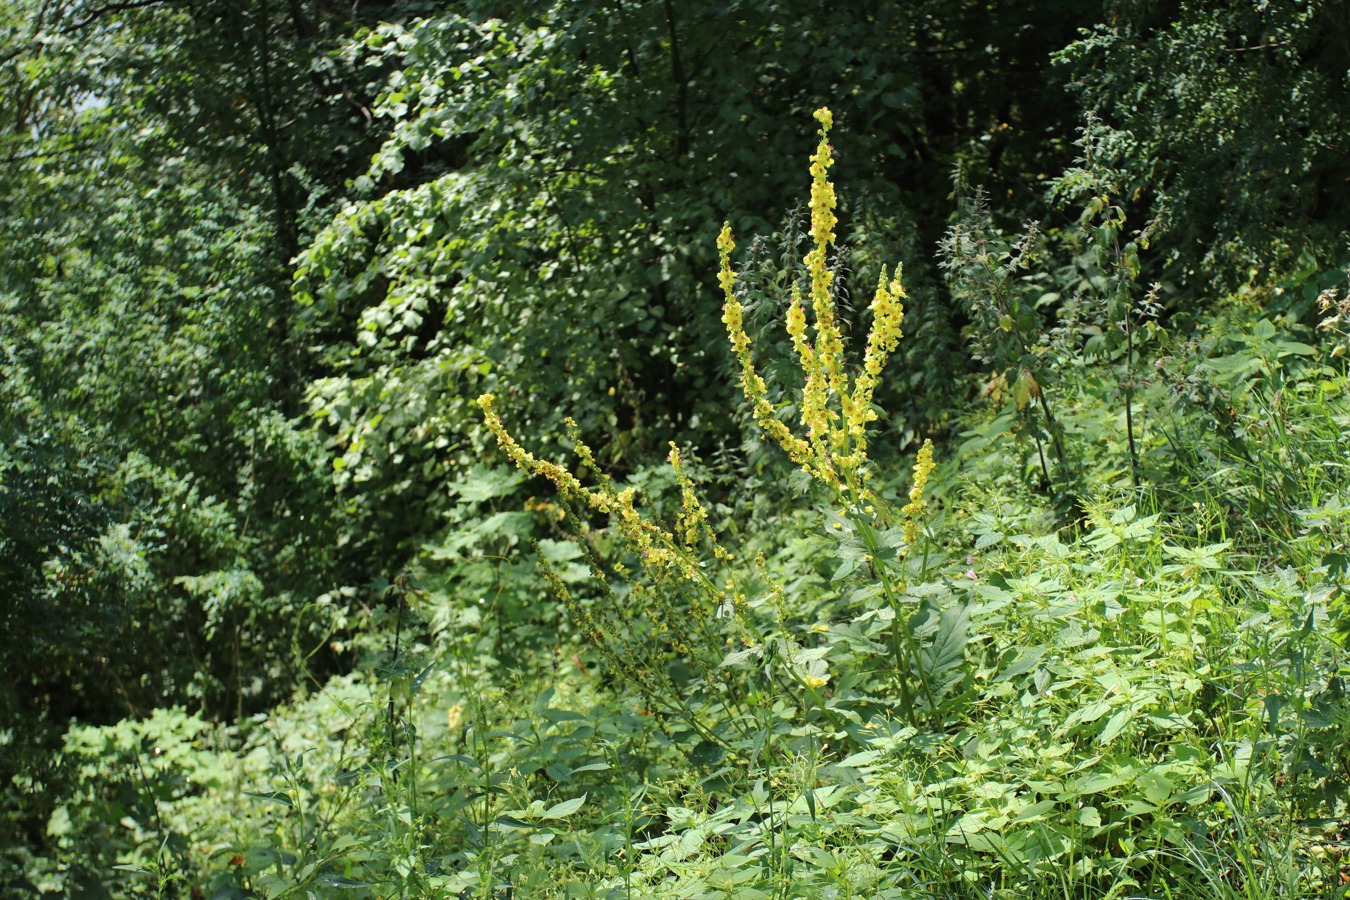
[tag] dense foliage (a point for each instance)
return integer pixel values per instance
(1016, 564)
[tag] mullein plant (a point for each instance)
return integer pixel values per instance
(836, 407)
(681, 604)
(675, 606)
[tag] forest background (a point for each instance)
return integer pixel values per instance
(274, 616)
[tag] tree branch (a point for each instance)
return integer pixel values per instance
(94, 15)
(108, 9)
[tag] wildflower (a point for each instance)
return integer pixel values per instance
(756, 391)
(923, 467)
(835, 409)
(888, 314)
(693, 516)
(522, 457)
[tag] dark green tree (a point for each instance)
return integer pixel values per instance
(166, 526)
(1237, 115)
(541, 220)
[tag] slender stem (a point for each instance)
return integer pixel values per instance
(681, 84)
(835, 719)
(1045, 467)
(901, 639)
(1052, 425)
(1129, 399)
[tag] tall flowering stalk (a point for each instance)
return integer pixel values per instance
(835, 407)
(682, 606)
(686, 606)
(668, 558)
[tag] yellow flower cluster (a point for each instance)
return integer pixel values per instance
(923, 467)
(523, 458)
(834, 412)
(662, 556)
(756, 391)
(693, 519)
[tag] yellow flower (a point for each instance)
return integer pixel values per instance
(923, 467)
(693, 517)
(835, 408)
(756, 391)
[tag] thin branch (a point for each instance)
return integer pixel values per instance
(93, 16)
(1270, 46)
(48, 153)
(102, 11)
(681, 85)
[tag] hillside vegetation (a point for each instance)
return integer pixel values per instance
(747, 449)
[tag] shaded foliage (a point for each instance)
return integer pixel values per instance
(540, 221)
(1236, 115)
(259, 256)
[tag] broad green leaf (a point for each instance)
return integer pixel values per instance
(564, 809)
(947, 648)
(1115, 725)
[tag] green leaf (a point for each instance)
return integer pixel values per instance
(344, 884)
(279, 797)
(1156, 786)
(1115, 725)
(1087, 713)
(564, 809)
(1027, 659)
(706, 754)
(1033, 811)
(559, 551)
(859, 759)
(947, 648)
(487, 483)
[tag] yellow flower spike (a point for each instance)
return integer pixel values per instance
(565, 480)
(678, 595)
(835, 407)
(888, 314)
(725, 244)
(815, 405)
(692, 516)
(923, 467)
(823, 203)
(756, 391)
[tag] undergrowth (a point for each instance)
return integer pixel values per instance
(1087, 646)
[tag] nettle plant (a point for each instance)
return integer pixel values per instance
(1051, 313)
(682, 617)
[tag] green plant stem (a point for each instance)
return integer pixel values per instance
(1045, 467)
(1052, 426)
(1129, 399)
(902, 641)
